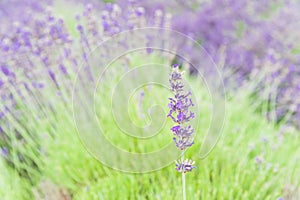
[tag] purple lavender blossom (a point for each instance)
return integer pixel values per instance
(180, 113)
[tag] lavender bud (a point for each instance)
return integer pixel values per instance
(184, 166)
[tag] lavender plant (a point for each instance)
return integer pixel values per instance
(180, 113)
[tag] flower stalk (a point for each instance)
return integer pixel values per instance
(182, 131)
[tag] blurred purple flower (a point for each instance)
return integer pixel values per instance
(4, 151)
(5, 70)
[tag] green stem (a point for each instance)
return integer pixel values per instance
(183, 181)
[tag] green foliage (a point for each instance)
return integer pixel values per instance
(229, 172)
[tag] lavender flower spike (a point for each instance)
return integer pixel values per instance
(180, 113)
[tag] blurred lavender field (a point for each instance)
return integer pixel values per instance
(246, 39)
(44, 44)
